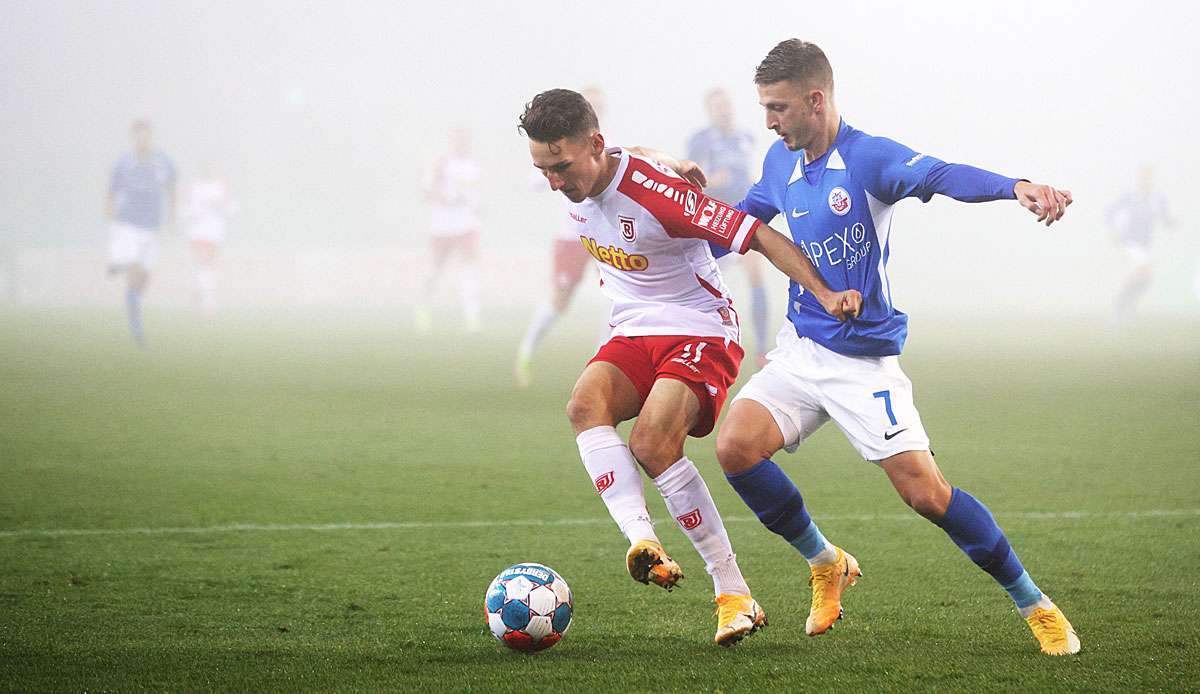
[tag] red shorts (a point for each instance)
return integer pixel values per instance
(706, 364)
(570, 260)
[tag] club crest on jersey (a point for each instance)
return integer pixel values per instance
(839, 201)
(627, 231)
(603, 482)
(690, 520)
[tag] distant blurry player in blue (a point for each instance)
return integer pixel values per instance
(141, 196)
(724, 152)
(1133, 219)
(836, 187)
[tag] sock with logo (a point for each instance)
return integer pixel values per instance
(616, 477)
(692, 506)
(971, 526)
(543, 318)
(759, 310)
(133, 307)
(770, 493)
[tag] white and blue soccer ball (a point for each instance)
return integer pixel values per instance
(529, 607)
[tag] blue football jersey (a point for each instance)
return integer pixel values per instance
(141, 189)
(839, 212)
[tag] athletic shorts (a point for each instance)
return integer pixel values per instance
(464, 243)
(870, 399)
(130, 245)
(708, 365)
(570, 260)
(1137, 253)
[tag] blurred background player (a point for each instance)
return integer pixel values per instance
(1132, 219)
(453, 194)
(568, 266)
(206, 210)
(724, 152)
(141, 196)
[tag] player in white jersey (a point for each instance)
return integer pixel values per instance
(452, 192)
(674, 349)
(207, 208)
(569, 262)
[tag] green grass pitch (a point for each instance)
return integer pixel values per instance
(317, 502)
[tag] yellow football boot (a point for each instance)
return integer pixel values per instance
(648, 562)
(828, 582)
(738, 616)
(1054, 633)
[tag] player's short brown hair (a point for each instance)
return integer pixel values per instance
(556, 114)
(799, 61)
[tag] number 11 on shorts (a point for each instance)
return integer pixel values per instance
(887, 404)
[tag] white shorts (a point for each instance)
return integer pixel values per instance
(129, 245)
(869, 398)
(1137, 253)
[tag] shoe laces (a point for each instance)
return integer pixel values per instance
(821, 579)
(1047, 623)
(730, 606)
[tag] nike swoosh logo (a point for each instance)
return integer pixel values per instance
(894, 434)
(798, 214)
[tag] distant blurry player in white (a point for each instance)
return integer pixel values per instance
(207, 208)
(724, 152)
(569, 265)
(141, 197)
(1133, 219)
(452, 190)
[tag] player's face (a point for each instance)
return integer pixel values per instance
(141, 137)
(720, 109)
(790, 112)
(572, 166)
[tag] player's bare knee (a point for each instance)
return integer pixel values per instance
(586, 411)
(927, 500)
(653, 450)
(737, 452)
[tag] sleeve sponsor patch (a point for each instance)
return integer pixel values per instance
(717, 217)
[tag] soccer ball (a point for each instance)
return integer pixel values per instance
(528, 607)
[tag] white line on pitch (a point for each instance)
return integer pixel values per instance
(437, 525)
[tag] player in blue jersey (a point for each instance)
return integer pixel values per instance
(141, 197)
(1133, 219)
(723, 151)
(836, 187)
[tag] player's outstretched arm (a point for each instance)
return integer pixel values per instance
(784, 255)
(1047, 202)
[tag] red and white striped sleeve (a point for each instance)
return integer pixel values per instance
(684, 210)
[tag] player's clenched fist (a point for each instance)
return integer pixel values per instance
(843, 305)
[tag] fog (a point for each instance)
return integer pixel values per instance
(326, 117)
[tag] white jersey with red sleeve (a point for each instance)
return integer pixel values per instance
(649, 232)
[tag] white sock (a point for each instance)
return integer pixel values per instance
(542, 320)
(206, 283)
(615, 475)
(1044, 603)
(692, 506)
(468, 290)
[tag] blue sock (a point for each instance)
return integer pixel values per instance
(758, 315)
(769, 492)
(133, 306)
(974, 530)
